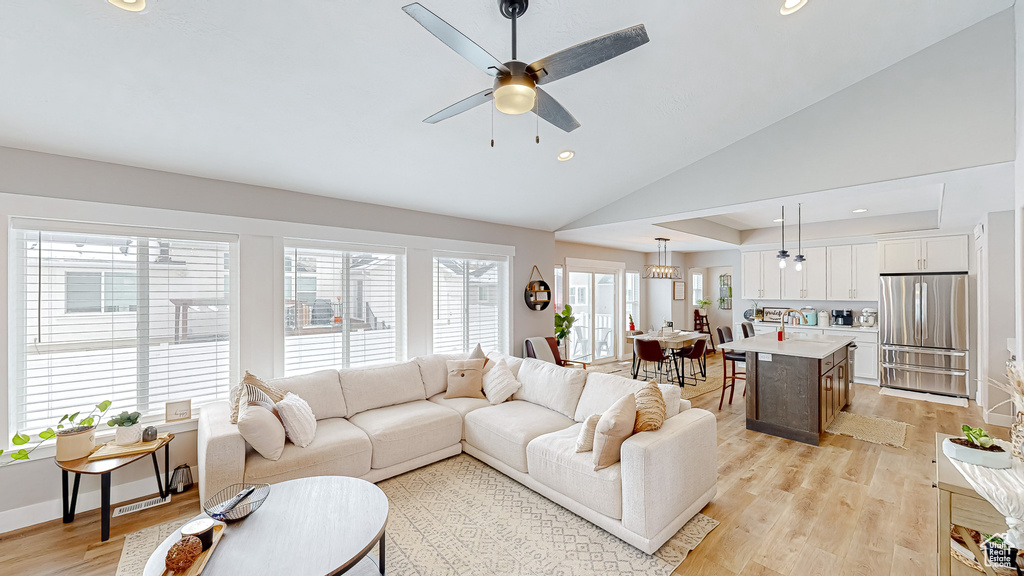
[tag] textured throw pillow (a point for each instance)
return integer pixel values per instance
(614, 426)
(260, 426)
(234, 399)
(298, 419)
(499, 383)
(465, 379)
(585, 441)
(650, 408)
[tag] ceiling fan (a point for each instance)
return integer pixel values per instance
(516, 87)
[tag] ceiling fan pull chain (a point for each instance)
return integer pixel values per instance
(492, 126)
(538, 120)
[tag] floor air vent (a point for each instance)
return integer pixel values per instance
(151, 503)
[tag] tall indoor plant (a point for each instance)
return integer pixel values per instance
(563, 325)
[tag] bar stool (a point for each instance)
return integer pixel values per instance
(748, 329)
(725, 335)
(651, 351)
(700, 324)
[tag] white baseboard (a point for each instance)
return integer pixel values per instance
(53, 509)
(936, 398)
(1004, 420)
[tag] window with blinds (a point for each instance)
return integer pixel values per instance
(470, 303)
(633, 298)
(137, 317)
(341, 307)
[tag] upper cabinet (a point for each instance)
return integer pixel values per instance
(762, 278)
(809, 282)
(852, 272)
(913, 255)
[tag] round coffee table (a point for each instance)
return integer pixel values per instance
(309, 526)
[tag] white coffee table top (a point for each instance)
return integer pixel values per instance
(321, 525)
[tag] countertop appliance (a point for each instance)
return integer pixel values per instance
(823, 318)
(842, 317)
(868, 317)
(923, 332)
(810, 316)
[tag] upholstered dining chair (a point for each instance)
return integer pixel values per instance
(696, 352)
(651, 351)
(730, 357)
(748, 329)
(546, 349)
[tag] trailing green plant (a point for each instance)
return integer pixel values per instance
(125, 419)
(563, 323)
(74, 423)
(977, 436)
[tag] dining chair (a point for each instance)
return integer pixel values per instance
(730, 357)
(651, 351)
(581, 335)
(748, 329)
(546, 349)
(696, 352)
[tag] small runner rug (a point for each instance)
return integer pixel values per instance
(870, 429)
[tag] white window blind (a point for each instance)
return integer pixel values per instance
(341, 307)
(470, 303)
(633, 298)
(131, 316)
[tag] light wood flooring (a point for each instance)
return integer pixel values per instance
(845, 508)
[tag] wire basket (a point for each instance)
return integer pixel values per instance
(245, 507)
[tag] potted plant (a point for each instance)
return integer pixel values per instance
(75, 439)
(632, 327)
(563, 324)
(129, 430)
(976, 447)
(703, 303)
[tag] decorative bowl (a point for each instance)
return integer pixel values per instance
(245, 507)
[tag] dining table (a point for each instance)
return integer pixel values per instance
(672, 340)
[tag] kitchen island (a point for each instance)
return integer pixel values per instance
(795, 388)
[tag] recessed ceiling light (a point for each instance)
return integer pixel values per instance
(129, 5)
(791, 6)
(565, 155)
(860, 210)
(777, 220)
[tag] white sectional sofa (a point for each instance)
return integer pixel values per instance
(374, 423)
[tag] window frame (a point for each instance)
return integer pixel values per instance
(509, 261)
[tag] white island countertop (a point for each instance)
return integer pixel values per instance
(801, 345)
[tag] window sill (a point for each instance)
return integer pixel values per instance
(49, 448)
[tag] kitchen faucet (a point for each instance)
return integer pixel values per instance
(785, 319)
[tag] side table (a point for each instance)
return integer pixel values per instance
(104, 468)
(961, 507)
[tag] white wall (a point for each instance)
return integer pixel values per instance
(999, 293)
(47, 186)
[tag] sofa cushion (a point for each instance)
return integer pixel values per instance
(603, 390)
(262, 429)
(514, 362)
(339, 449)
(320, 389)
(499, 383)
(554, 462)
(434, 371)
(461, 405)
(503, 431)
(550, 386)
(615, 425)
(369, 388)
(405, 431)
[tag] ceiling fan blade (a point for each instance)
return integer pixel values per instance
(588, 54)
(455, 40)
(551, 111)
(462, 105)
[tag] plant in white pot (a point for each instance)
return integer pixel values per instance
(703, 304)
(75, 434)
(129, 430)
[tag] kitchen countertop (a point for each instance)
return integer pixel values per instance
(808, 326)
(801, 345)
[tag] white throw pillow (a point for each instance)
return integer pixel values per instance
(261, 428)
(585, 441)
(499, 383)
(297, 417)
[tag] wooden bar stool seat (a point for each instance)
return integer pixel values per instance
(729, 381)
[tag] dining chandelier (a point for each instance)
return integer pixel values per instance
(662, 269)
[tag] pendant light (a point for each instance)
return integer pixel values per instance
(799, 259)
(662, 269)
(783, 254)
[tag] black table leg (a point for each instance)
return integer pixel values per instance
(69, 510)
(163, 485)
(105, 507)
(381, 553)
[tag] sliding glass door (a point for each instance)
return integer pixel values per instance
(594, 297)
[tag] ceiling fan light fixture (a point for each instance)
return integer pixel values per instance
(129, 5)
(514, 95)
(790, 6)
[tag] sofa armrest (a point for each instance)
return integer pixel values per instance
(664, 472)
(221, 450)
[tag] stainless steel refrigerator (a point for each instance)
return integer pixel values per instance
(923, 333)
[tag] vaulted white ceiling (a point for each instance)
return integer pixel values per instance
(327, 97)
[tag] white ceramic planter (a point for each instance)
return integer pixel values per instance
(998, 460)
(75, 446)
(126, 435)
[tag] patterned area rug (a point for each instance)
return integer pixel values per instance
(461, 517)
(870, 429)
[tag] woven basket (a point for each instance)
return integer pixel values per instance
(1017, 436)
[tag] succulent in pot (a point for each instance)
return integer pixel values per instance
(129, 430)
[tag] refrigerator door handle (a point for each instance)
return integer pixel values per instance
(923, 369)
(933, 351)
(917, 311)
(924, 311)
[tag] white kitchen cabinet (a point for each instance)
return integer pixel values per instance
(762, 278)
(810, 282)
(852, 272)
(760, 329)
(865, 361)
(934, 254)
(945, 254)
